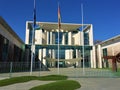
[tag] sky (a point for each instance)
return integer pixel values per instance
(103, 14)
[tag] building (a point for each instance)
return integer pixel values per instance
(11, 46)
(110, 47)
(70, 40)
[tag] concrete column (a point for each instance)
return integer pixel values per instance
(27, 34)
(94, 55)
(53, 56)
(53, 53)
(81, 40)
(77, 56)
(44, 55)
(51, 38)
(50, 53)
(69, 38)
(47, 37)
(91, 35)
(38, 37)
(40, 55)
(93, 60)
(67, 54)
(71, 54)
(63, 39)
(100, 57)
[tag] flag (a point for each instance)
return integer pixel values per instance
(59, 18)
(34, 13)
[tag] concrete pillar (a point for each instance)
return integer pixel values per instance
(51, 38)
(53, 56)
(50, 53)
(47, 37)
(40, 55)
(92, 57)
(69, 38)
(100, 57)
(91, 35)
(82, 39)
(44, 55)
(63, 39)
(79, 38)
(71, 54)
(27, 34)
(77, 56)
(38, 37)
(66, 54)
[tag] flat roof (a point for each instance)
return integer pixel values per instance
(65, 27)
(7, 27)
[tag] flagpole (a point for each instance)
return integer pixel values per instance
(58, 36)
(33, 35)
(83, 40)
(58, 49)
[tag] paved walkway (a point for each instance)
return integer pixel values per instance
(98, 83)
(25, 85)
(86, 83)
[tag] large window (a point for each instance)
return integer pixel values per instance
(60, 37)
(5, 49)
(30, 36)
(86, 38)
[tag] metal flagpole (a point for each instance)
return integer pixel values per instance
(33, 41)
(83, 40)
(58, 35)
(58, 49)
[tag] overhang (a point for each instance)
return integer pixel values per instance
(65, 27)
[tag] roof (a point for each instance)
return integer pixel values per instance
(111, 39)
(65, 27)
(7, 27)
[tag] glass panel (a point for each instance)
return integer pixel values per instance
(86, 38)
(5, 49)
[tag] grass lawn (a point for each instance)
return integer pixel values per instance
(59, 85)
(118, 72)
(29, 78)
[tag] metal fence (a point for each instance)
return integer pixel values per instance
(14, 69)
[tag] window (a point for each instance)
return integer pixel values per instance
(86, 38)
(30, 36)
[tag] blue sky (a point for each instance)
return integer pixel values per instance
(103, 14)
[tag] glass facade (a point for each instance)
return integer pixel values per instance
(5, 49)
(105, 54)
(30, 36)
(86, 38)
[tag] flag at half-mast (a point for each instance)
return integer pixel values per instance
(59, 18)
(34, 12)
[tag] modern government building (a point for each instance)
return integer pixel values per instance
(75, 45)
(72, 41)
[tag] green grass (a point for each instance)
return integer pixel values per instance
(59, 85)
(29, 78)
(117, 73)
